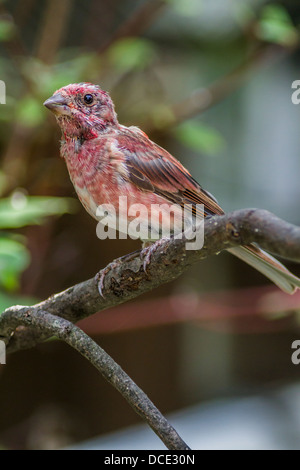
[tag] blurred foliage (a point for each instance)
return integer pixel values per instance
(131, 53)
(7, 30)
(275, 25)
(14, 259)
(134, 55)
(123, 56)
(20, 210)
(29, 112)
(15, 212)
(152, 56)
(200, 137)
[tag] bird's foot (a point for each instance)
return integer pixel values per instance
(149, 248)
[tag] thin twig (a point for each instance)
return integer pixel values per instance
(54, 26)
(52, 325)
(204, 98)
(137, 22)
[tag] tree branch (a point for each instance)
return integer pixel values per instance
(127, 279)
(22, 327)
(51, 325)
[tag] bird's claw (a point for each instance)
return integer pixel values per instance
(145, 254)
(100, 277)
(148, 251)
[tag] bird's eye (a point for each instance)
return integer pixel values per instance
(88, 99)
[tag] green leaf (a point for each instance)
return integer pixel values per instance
(162, 115)
(7, 300)
(2, 180)
(200, 137)
(14, 258)
(185, 8)
(29, 112)
(131, 53)
(7, 30)
(46, 79)
(20, 210)
(275, 25)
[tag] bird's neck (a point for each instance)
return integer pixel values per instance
(73, 129)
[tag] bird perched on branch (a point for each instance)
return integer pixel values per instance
(107, 160)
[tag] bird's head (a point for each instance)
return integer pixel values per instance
(82, 109)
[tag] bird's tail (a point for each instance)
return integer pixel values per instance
(268, 266)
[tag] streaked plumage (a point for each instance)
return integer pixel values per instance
(106, 160)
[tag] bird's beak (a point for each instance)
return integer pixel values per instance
(57, 104)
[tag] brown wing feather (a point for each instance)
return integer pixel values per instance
(158, 171)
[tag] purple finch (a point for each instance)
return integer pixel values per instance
(107, 160)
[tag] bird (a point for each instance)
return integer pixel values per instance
(106, 160)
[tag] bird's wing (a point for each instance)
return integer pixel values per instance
(152, 168)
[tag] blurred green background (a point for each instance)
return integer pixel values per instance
(209, 81)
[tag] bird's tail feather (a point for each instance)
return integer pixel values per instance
(268, 266)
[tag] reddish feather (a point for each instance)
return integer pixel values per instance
(107, 160)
